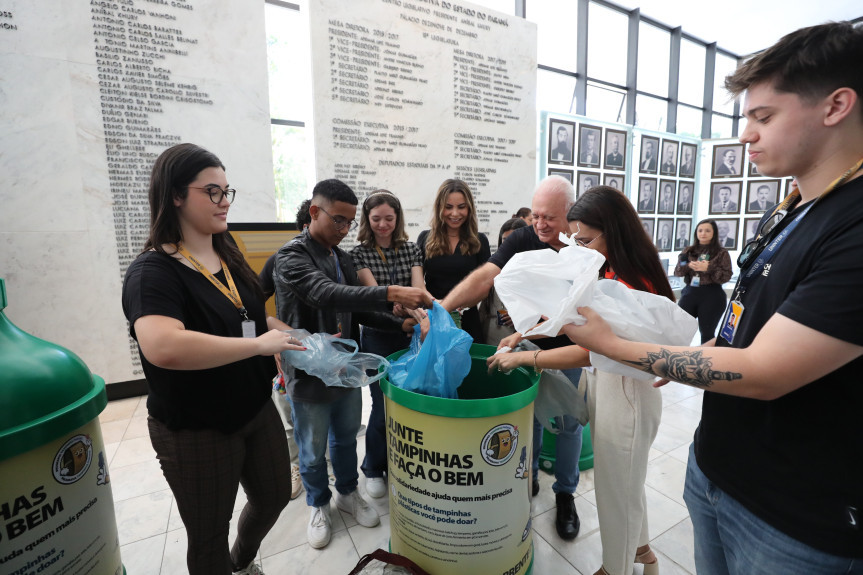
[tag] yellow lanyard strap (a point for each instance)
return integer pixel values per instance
(230, 292)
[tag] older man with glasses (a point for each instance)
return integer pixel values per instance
(318, 289)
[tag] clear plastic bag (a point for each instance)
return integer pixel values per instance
(557, 396)
(438, 365)
(334, 360)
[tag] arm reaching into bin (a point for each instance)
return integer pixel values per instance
(559, 358)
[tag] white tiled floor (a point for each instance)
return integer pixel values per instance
(153, 538)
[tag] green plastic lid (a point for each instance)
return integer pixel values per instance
(45, 390)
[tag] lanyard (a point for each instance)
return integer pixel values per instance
(338, 267)
(390, 270)
(230, 292)
(767, 254)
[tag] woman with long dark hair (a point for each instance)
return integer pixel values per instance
(704, 266)
(383, 257)
(495, 320)
(195, 307)
(453, 247)
(624, 412)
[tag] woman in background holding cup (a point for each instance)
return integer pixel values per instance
(704, 266)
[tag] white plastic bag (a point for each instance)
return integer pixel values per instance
(554, 285)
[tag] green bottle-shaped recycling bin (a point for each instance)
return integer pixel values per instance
(56, 507)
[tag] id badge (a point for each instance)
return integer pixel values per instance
(731, 320)
(248, 328)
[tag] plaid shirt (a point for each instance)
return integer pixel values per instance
(397, 270)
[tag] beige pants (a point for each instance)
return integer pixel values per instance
(624, 418)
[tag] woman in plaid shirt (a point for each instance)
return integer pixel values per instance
(383, 257)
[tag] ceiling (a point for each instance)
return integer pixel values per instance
(744, 26)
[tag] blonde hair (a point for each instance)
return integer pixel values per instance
(437, 243)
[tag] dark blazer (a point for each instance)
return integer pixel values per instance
(724, 170)
(614, 159)
(754, 207)
(648, 164)
(731, 207)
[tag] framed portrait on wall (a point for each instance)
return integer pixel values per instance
(761, 195)
(681, 233)
(586, 180)
(753, 171)
(616, 181)
(725, 198)
(684, 199)
(750, 229)
(615, 149)
(646, 196)
(688, 157)
(664, 234)
(666, 197)
(561, 138)
(668, 167)
(787, 187)
(562, 173)
(727, 232)
(589, 144)
(728, 161)
(648, 224)
(647, 162)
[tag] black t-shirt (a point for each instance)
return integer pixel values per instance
(797, 461)
(223, 398)
(526, 240)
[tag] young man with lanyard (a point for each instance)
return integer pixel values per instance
(782, 381)
(551, 202)
(318, 289)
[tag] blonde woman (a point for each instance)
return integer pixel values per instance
(453, 247)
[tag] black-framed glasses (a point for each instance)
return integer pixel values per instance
(340, 222)
(216, 193)
(754, 246)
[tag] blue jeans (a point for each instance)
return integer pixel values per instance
(731, 540)
(567, 447)
(314, 423)
(382, 343)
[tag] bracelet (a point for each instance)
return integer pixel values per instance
(536, 370)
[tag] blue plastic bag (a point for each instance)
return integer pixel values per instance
(438, 365)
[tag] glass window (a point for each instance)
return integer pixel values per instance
(721, 127)
(650, 113)
(606, 44)
(293, 166)
(654, 51)
(555, 92)
(691, 84)
(604, 103)
(556, 33)
(722, 101)
(689, 121)
(289, 63)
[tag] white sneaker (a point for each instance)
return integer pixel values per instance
(354, 504)
(318, 531)
(376, 487)
(296, 481)
(251, 569)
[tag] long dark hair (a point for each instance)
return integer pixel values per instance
(713, 247)
(174, 170)
(511, 224)
(630, 253)
(366, 237)
(437, 243)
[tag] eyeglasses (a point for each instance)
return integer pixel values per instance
(584, 244)
(340, 222)
(216, 193)
(754, 246)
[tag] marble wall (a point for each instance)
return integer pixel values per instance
(90, 94)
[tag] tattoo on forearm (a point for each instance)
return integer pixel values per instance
(684, 366)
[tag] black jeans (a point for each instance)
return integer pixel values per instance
(382, 343)
(706, 303)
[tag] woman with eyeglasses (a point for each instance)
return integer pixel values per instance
(196, 310)
(704, 266)
(383, 257)
(453, 247)
(624, 412)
